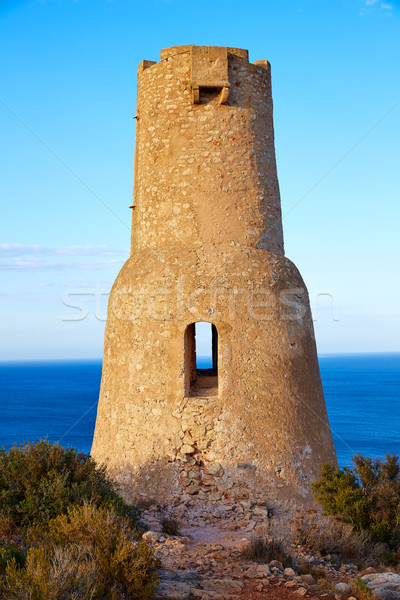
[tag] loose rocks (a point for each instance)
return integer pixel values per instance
(151, 536)
(342, 588)
(383, 585)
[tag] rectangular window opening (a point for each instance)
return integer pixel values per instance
(201, 359)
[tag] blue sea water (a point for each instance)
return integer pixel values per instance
(362, 394)
(58, 400)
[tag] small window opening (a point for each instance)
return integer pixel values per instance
(201, 359)
(208, 94)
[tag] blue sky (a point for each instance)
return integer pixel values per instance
(67, 98)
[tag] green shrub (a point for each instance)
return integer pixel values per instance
(367, 496)
(39, 481)
(8, 553)
(361, 588)
(80, 538)
(89, 553)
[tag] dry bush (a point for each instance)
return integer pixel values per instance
(144, 503)
(170, 526)
(60, 572)
(326, 535)
(315, 572)
(325, 584)
(90, 553)
(8, 529)
(263, 550)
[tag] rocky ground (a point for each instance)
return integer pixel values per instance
(206, 562)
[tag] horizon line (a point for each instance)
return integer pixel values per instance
(200, 356)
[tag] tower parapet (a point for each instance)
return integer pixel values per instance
(207, 245)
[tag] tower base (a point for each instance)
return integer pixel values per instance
(261, 431)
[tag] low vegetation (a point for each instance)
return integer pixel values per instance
(264, 550)
(65, 532)
(361, 524)
(170, 526)
(325, 535)
(367, 497)
(42, 480)
(361, 588)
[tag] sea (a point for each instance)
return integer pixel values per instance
(57, 400)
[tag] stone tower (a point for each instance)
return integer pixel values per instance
(207, 245)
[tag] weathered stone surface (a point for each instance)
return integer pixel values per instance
(263, 570)
(151, 536)
(289, 573)
(207, 245)
(342, 588)
(301, 591)
(383, 585)
(276, 564)
(186, 449)
(308, 579)
(215, 470)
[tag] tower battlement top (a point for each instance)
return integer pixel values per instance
(173, 50)
(205, 167)
(209, 66)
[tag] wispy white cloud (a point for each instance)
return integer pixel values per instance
(36, 265)
(19, 250)
(24, 257)
(379, 4)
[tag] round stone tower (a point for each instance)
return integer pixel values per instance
(207, 245)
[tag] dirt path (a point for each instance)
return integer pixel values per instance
(205, 562)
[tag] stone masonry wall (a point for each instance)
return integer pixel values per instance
(207, 246)
(205, 173)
